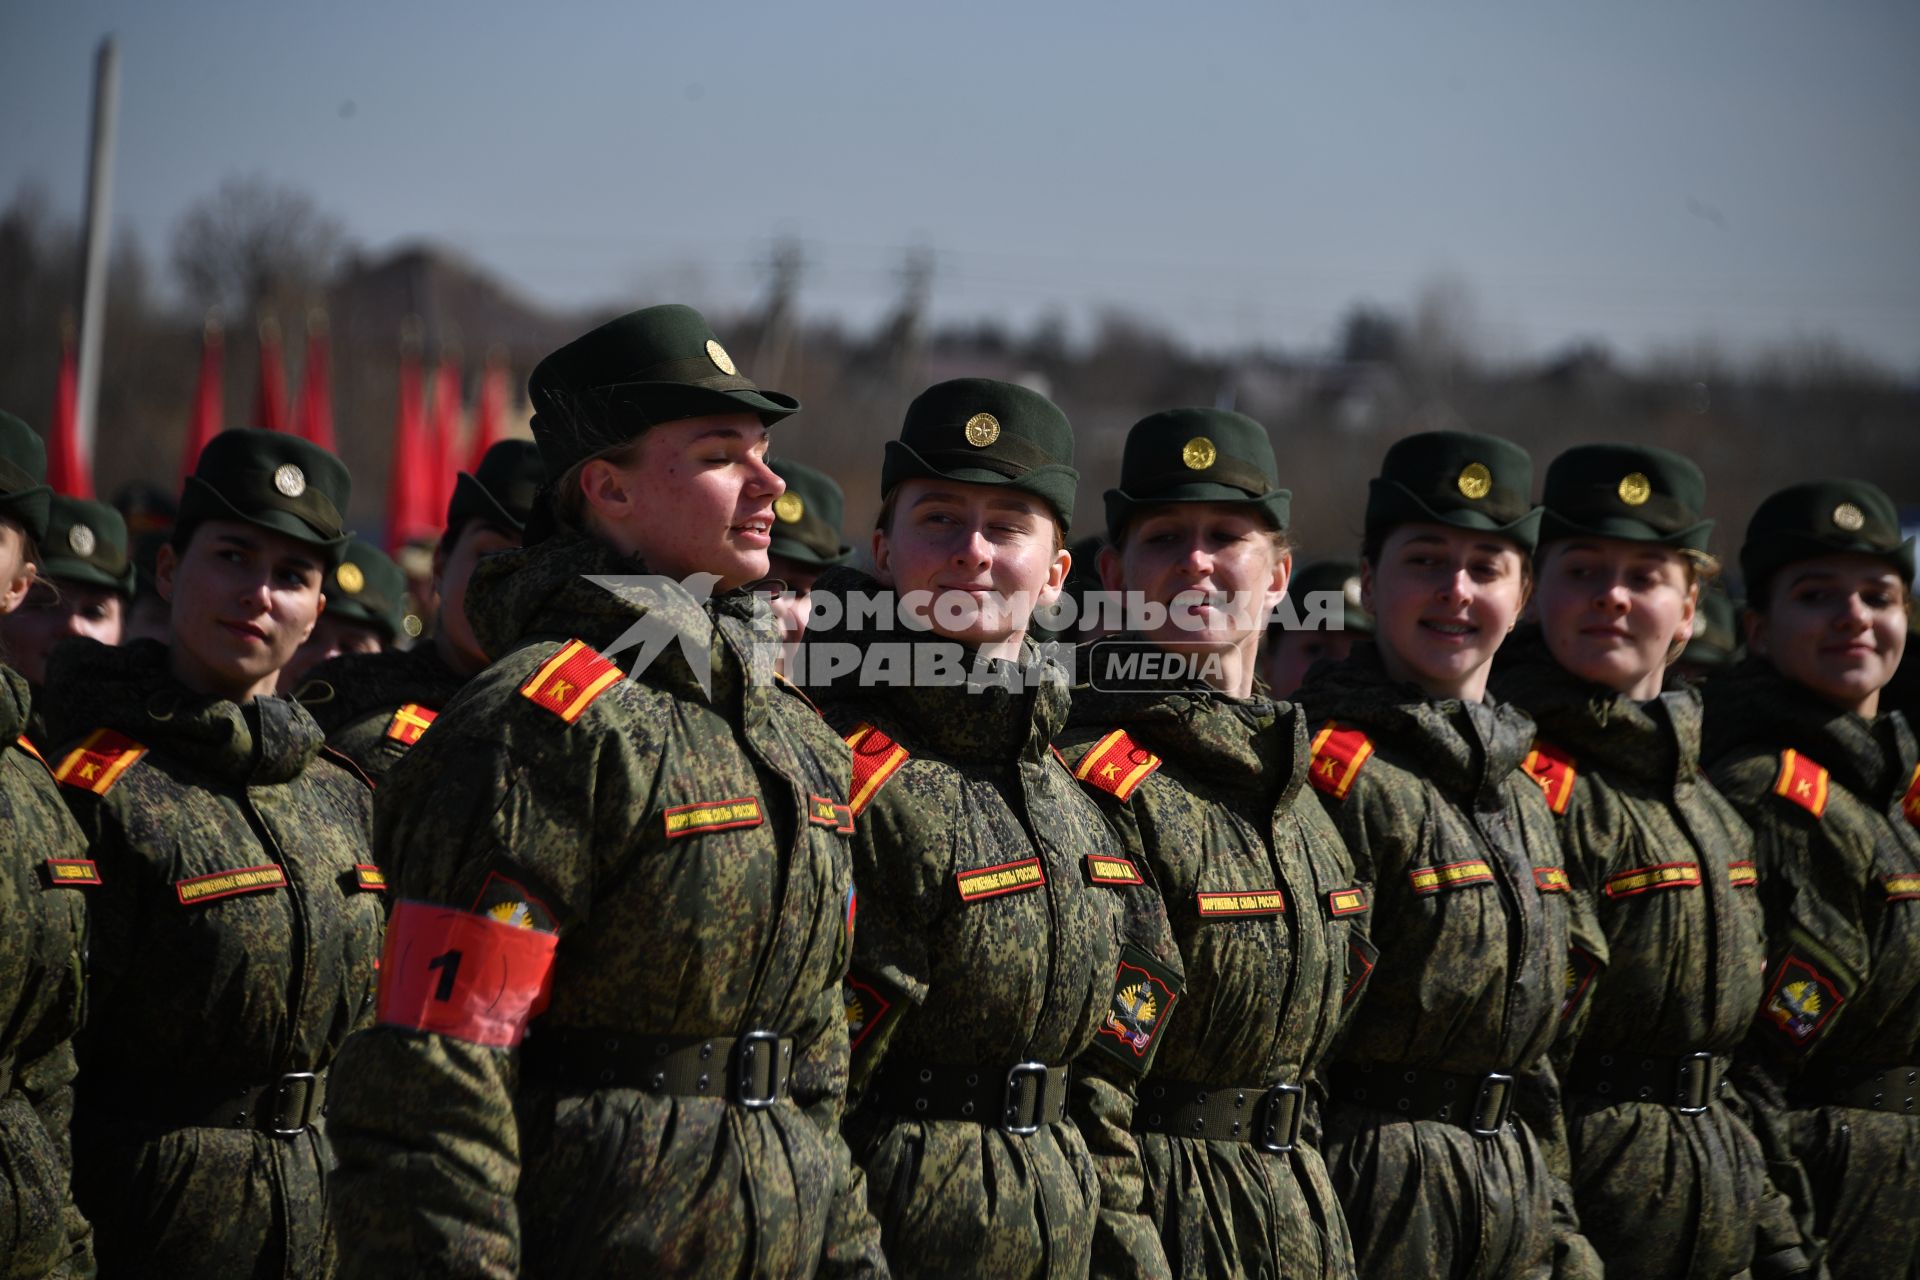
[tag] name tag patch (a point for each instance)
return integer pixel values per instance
(1453, 875)
(1551, 880)
(712, 815)
(1346, 902)
(1900, 888)
(1638, 880)
(1241, 902)
(369, 877)
(1105, 869)
(225, 884)
(991, 882)
(822, 812)
(72, 871)
(1743, 875)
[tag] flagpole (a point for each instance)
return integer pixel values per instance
(93, 279)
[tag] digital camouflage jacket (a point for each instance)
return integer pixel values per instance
(45, 879)
(235, 936)
(1208, 794)
(675, 840)
(374, 706)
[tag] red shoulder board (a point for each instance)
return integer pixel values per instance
(1553, 769)
(876, 757)
(1117, 764)
(570, 680)
(1909, 803)
(97, 763)
(1802, 781)
(1337, 756)
(409, 722)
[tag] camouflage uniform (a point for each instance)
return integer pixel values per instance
(1223, 813)
(1837, 1044)
(677, 845)
(1456, 847)
(44, 880)
(237, 929)
(374, 706)
(1663, 976)
(986, 939)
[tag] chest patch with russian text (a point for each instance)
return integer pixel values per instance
(226, 884)
(712, 815)
(63, 872)
(1454, 875)
(1106, 869)
(1638, 880)
(1240, 902)
(1004, 878)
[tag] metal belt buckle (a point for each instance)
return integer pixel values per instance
(1693, 1067)
(744, 1050)
(1010, 1106)
(1285, 1105)
(1478, 1123)
(281, 1088)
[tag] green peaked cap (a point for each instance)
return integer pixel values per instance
(1342, 577)
(806, 518)
(1197, 455)
(1821, 518)
(981, 431)
(661, 364)
(271, 479)
(24, 493)
(369, 588)
(502, 489)
(1635, 492)
(1457, 478)
(86, 542)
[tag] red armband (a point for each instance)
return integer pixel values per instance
(462, 975)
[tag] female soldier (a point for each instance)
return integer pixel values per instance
(238, 918)
(1469, 902)
(1829, 781)
(1668, 1181)
(992, 970)
(658, 860)
(45, 876)
(1206, 786)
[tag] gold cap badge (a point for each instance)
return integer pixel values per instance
(350, 578)
(1635, 489)
(80, 540)
(982, 430)
(1475, 480)
(721, 360)
(290, 480)
(1849, 517)
(789, 508)
(1198, 453)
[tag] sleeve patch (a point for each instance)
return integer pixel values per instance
(1903, 887)
(1551, 880)
(568, 682)
(1361, 958)
(1553, 769)
(867, 1010)
(1241, 902)
(99, 761)
(70, 872)
(1453, 875)
(1582, 967)
(712, 815)
(1144, 994)
(1909, 803)
(506, 901)
(1803, 782)
(1107, 869)
(876, 757)
(1802, 1000)
(1743, 875)
(1638, 880)
(226, 884)
(462, 975)
(369, 877)
(1347, 902)
(992, 882)
(1337, 756)
(1117, 764)
(824, 812)
(409, 722)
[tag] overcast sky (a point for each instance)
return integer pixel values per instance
(1746, 171)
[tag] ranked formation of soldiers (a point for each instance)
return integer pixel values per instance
(692, 902)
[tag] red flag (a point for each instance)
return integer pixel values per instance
(270, 401)
(66, 472)
(489, 419)
(446, 429)
(206, 399)
(410, 485)
(313, 416)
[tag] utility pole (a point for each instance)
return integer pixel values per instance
(93, 275)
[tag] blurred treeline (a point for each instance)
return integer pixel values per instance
(252, 250)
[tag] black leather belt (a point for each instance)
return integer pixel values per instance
(1268, 1116)
(1688, 1082)
(1016, 1099)
(285, 1108)
(754, 1070)
(1479, 1104)
(1869, 1088)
